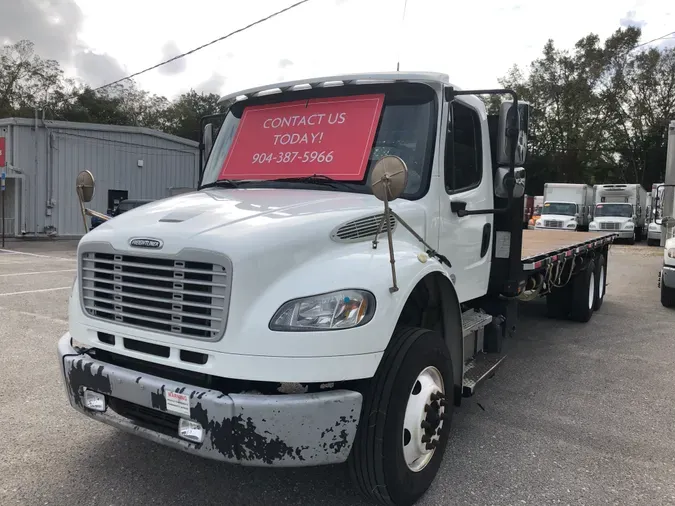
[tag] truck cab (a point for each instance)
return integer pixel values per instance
(346, 272)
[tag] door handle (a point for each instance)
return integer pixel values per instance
(458, 206)
(487, 229)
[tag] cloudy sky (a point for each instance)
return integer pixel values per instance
(474, 42)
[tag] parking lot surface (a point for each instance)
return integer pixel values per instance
(578, 414)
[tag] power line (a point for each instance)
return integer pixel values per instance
(199, 48)
(653, 40)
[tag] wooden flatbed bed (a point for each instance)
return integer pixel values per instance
(542, 247)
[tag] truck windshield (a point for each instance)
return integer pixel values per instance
(405, 126)
(564, 208)
(615, 210)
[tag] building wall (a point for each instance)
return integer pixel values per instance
(50, 168)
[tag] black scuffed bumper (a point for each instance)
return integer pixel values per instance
(256, 430)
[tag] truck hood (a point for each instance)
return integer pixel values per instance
(557, 217)
(247, 219)
(611, 219)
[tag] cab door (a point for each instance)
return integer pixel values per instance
(467, 176)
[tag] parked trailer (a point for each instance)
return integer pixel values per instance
(567, 206)
(621, 208)
(279, 318)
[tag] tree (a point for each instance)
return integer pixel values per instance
(182, 117)
(26, 80)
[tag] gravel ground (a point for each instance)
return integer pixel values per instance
(578, 414)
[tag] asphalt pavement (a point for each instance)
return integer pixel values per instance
(579, 414)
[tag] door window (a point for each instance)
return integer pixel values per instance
(463, 149)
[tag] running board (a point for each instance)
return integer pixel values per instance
(478, 369)
(473, 321)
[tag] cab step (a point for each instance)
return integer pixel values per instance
(478, 369)
(473, 321)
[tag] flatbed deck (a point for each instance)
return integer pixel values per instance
(541, 247)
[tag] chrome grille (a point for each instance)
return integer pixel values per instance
(553, 224)
(610, 226)
(186, 298)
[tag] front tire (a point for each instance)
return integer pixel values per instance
(405, 419)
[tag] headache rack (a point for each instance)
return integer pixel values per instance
(186, 295)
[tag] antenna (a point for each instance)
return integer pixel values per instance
(398, 58)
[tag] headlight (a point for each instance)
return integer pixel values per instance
(572, 224)
(593, 225)
(629, 224)
(671, 253)
(538, 224)
(330, 311)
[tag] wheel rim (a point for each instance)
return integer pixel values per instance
(601, 283)
(591, 291)
(424, 415)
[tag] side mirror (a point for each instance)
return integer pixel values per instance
(208, 141)
(503, 182)
(513, 126)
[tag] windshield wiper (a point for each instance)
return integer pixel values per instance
(221, 183)
(315, 179)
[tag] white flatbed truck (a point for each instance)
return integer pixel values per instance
(262, 320)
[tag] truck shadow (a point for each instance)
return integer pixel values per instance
(130, 470)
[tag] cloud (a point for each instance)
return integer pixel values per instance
(629, 20)
(98, 69)
(213, 84)
(285, 63)
(169, 50)
(52, 26)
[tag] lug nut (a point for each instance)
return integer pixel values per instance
(425, 424)
(426, 438)
(431, 445)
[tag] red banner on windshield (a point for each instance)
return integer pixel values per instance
(328, 136)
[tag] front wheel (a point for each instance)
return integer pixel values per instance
(405, 420)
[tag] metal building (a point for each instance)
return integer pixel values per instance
(41, 160)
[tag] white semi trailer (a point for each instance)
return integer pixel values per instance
(621, 208)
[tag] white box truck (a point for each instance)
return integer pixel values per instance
(621, 208)
(566, 206)
(348, 269)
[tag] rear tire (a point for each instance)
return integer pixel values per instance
(583, 293)
(600, 281)
(398, 401)
(632, 239)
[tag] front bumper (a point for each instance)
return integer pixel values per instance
(667, 277)
(624, 233)
(286, 430)
(654, 234)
